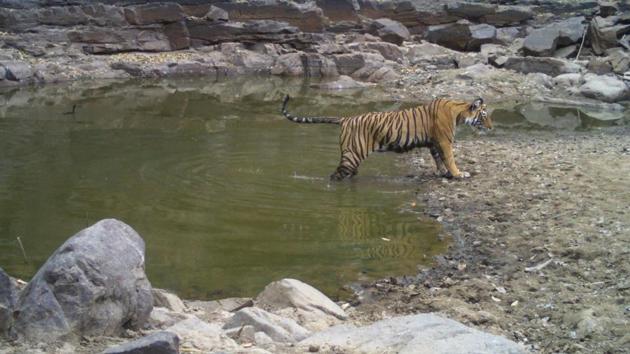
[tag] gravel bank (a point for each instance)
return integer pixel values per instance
(540, 241)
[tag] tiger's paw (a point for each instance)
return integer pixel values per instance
(461, 175)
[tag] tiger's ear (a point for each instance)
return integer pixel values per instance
(476, 104)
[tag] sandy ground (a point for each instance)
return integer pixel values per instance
(541, 241)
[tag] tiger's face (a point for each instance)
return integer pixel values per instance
(477, 116)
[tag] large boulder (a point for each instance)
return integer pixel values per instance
(302, 302)
(544, 41)
(16, 70)
(304, 15)
(203, 32)
(8, 297)
(541, 42)
(462, 35)
(157, 343)
(604, 88)
(154, 13)
(508, 16)
(339, 10)
(413, 14)
(479, 35)
(604, 33)
(94, 284)
(389, 30)
(471, 11)
(549, 66)
(418, 334)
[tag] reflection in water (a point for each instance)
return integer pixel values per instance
(226, 193)
(541, 115)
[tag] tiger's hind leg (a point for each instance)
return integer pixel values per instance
(348, 166)
(439, 164)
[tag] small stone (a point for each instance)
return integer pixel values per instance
(313, 348)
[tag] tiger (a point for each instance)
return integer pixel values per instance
(431, 125)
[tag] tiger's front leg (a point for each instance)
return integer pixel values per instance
(449, 160)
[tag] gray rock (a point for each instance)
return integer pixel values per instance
(200, 336)
(544, 41)
(339, 10)
(619, 59)
(423, 333)
(604, 88)
(8, 297)
(162, 317)
(604, 32)
(507, 35)
(348, 63)
(157, 343)
(541, 42)
(549, 66)
(481, 34)
(216, 14)
(389, 30)
(387, 50)
(566, 52)
(17, 70)
(453, 36)
(478, 72)
(94, 284)
(508, 15)
(304, 15)
(317, 65)
(154, 13)
(471, 11)
(299, 301)
(461, 35)
(599, 65)
(570, 30)
(168, 300)
(568, 80)
(203, 32)
(432, 54)
(278, 328)
(288, 65)
(608, 8)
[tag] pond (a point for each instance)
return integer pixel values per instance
(227, 194)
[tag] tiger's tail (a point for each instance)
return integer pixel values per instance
(329, 120)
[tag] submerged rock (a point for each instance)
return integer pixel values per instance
(94, 284)
(423, 333)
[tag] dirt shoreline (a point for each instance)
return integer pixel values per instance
(540, 242)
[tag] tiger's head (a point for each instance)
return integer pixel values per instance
(477, 115)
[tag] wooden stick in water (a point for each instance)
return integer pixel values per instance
(22, 248)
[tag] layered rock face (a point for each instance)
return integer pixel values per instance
(367, 40)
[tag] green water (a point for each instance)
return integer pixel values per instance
(227, 194)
